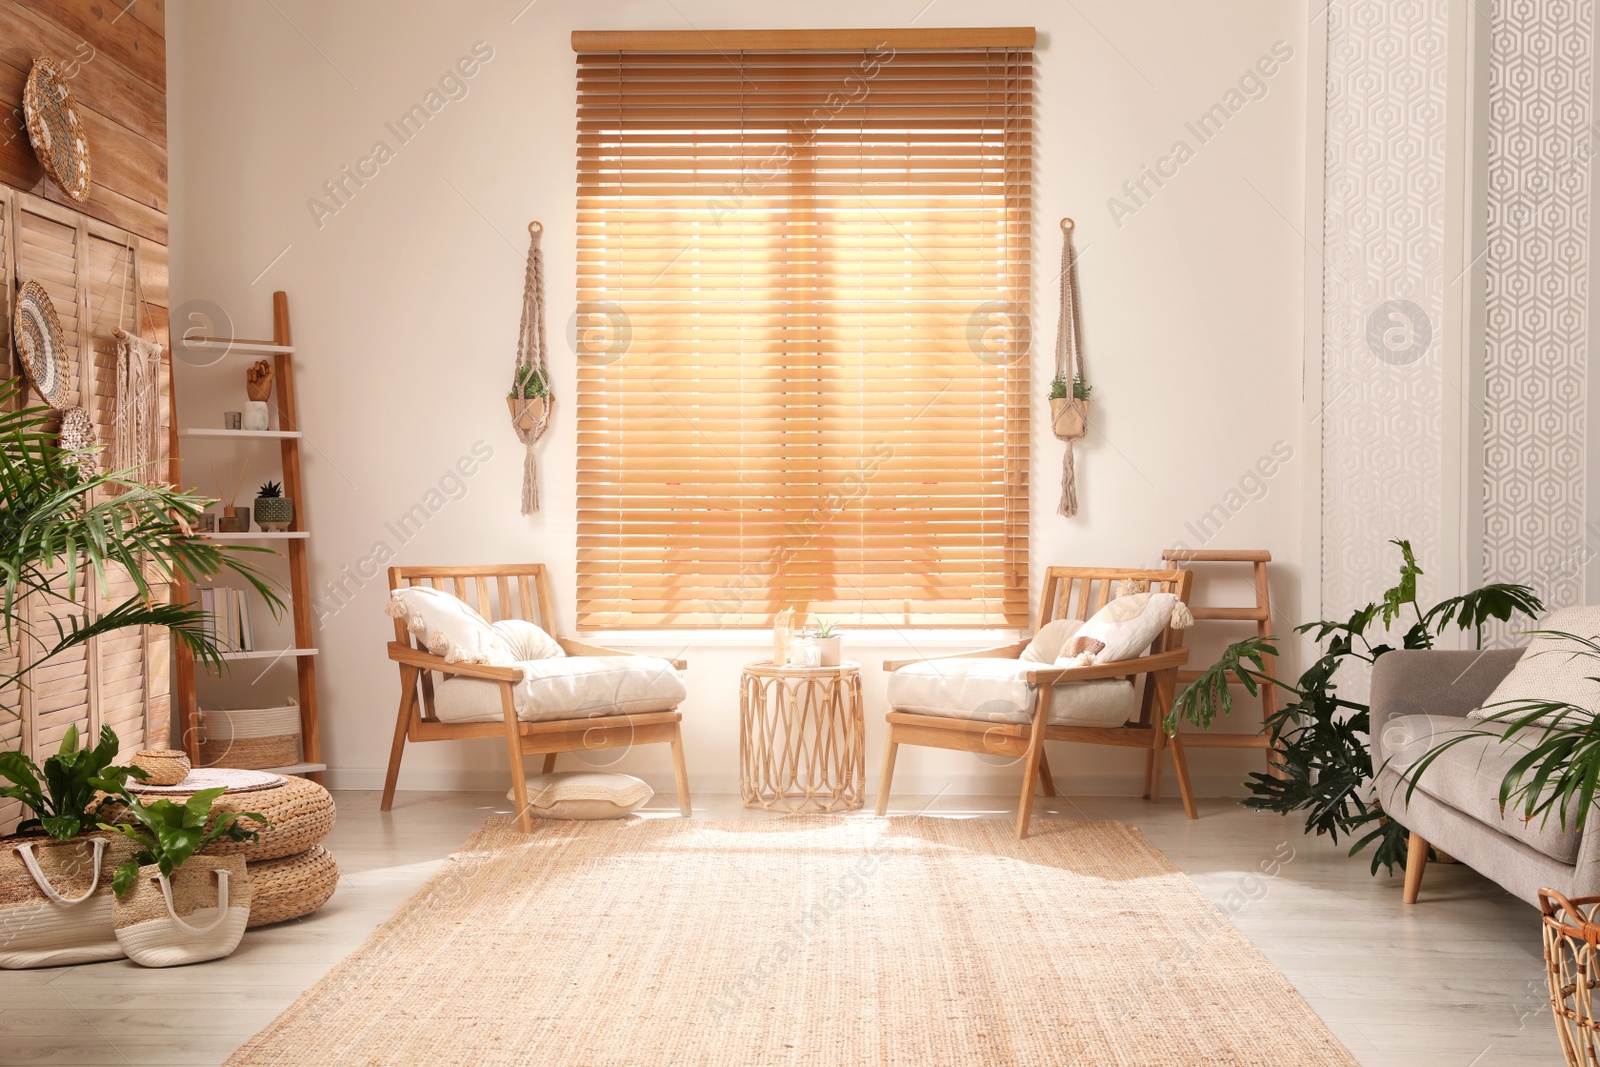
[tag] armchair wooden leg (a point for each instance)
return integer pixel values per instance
(549, 762)
(1180, 764)
(888, 772)
(519, 778)
(1416, 863)
(1030, 768)
(1152, 772)
(1045, 779)
(408, 696)
(680, 770)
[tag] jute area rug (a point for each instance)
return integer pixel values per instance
(802, 941)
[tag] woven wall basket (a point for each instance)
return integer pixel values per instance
(1069, 418)
(36, 329)
(253, 738)
(55, 131)
(301, 813)
(292, 886)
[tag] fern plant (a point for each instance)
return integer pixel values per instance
(1326, 767)
(54, 521)
(528, 383)
(66, 795)
(168, 833)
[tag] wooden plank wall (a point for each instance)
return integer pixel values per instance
(113, 53)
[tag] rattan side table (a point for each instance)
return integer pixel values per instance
(802, 740)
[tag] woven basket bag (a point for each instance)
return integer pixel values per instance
(197, 914)
(55, 899)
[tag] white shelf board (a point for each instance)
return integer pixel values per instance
(233, 344)
(240, 433)
(262, 535)
(297, 768)
(271, 653)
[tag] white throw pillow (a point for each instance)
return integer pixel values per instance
(526, 640)
(1046, 644)
(1122, 629)
(584, 795)
(449, 627)
(1551, 670)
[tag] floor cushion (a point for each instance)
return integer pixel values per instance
(1553, 668)
(566, 687)
(1467, 777)
(584, 795)
(997, 690)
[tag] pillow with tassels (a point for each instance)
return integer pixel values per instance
(1124, 629)
(448, 626)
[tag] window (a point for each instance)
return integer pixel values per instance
(802, 330)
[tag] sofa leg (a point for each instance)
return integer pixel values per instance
(1416, 863)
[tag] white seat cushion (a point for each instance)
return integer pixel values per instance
(996, 690)
(566, 687)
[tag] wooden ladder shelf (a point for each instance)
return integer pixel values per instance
(1259, 613)
(296, 541)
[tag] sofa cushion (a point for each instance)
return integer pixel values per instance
(448, 626)
(526, 640)
(1123, 629)
(1046, 644)
(566, 687)
(997, 690)
(1553, 668)
(1467, 778)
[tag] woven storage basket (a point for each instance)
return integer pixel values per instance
(163, 766)
(253, 738)
(300, 811)
(290, 887)
(196, 914)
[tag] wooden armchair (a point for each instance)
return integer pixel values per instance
(1069, 592)
(511, 592)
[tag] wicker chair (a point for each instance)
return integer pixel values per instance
(507, 592)
(1069, 592)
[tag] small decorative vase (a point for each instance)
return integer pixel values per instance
(255, 415)
(1069, 418)
(525, 414)
(274, 513)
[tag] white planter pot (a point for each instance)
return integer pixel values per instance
(828, 649)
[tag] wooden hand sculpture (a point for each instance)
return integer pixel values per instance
(258, 380)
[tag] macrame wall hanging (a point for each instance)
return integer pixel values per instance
(1069, 392)
(530, 400)
(135, 419)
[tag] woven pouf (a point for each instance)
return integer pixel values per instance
(292, 886)
(300, 811)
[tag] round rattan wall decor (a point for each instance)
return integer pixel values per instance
(55, 130)
(37, 332)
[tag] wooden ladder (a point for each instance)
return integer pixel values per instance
(288, 434)
(1259, 613)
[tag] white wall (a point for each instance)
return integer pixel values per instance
(405, 305)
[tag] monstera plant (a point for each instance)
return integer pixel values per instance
(57, 521)
(1325, 771)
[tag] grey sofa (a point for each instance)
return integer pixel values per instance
(1418, 700)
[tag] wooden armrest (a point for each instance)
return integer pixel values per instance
(1164, 661)
(583, 648)
(1011, 651)
(406, 654)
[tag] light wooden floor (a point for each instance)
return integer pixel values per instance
(1455, 980)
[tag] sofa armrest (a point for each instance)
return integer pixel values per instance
(1433, 682)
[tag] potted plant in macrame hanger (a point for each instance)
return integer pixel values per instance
(529, 394)
(1069, 407)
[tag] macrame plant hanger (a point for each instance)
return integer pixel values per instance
(1069, 416)
(529, 415)
(134, 418)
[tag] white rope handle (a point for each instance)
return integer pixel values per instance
(39, 879)
(222, 903)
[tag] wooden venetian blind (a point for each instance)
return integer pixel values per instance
(803, 284)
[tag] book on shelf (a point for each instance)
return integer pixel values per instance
(228, 617)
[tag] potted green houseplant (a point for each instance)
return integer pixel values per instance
(1325, 771)
(274, 512)
(57, 524)
(828, 640)
(159, 891)
(67, 793)
(529, 394)
(1069, 407)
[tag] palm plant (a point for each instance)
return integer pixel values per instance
(1325, 766)
(54, 521)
